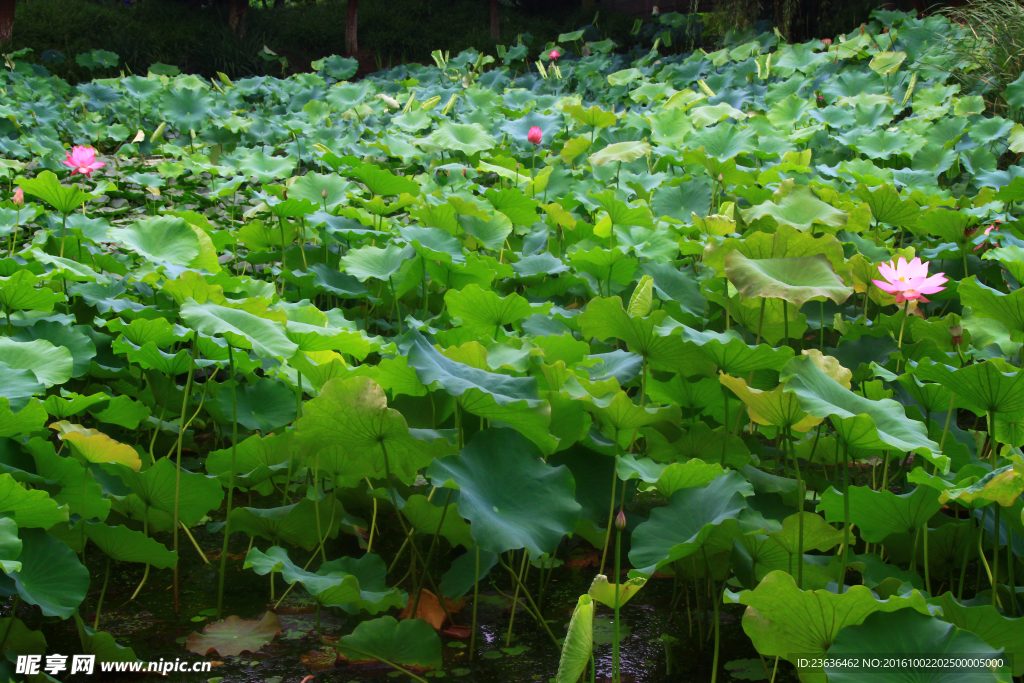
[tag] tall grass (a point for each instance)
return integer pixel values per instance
(992, 52)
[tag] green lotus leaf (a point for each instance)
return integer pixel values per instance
(241, 328)
(620, 152)
(380, 181)
(458, 378)
(376, 438)
(50, 576)
(65, 199)
(1003, 486)
(296, 523)
(48, 363)
(886, 63)
(783, 621)
(797, 280)
(411, 642)
(425, 517)
(263, 406)
(465, 571)
(29, 507)
(468, 138)
(701, 442)
(947, 225)
(483, 311)
(380, 264)
(908, 633)
(347, 583)
(986, 302)
(266, 168)
(578, 646)
(23, 296)
(72, 485)
(801, 209)
(693, 473)
(984, 387)
(153, 495)
(10, 545)
(888, 207)
(817, 533)
(163, 239)
(880, 513)
(622, 416)
(987, 623)
(604, 592)
(695, 519)
(859, 421)
(187, 108)
(727, 350)
(605, 318)
(102, 645)
(434, 244)
(127, 545)
(257, 459)
(512, 498)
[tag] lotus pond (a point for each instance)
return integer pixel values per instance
(661, 366)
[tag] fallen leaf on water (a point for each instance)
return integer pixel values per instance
(234, 635)
(429, 609)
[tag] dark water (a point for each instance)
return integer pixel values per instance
(148, 625)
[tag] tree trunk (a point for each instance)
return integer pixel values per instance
(494, 20)
(6, 20)
(352, 28)
(236, 16)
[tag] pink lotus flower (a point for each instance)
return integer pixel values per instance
(909, 281)
(535, 135)
(554, 54)
(19, 197)
(83, 160)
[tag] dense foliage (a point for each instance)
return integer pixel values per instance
(498, 309)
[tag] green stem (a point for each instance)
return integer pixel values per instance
(430, 554)
(14, 615)
(231, 485)
(103, 592)
(611, 506)
(177, 472)
(476, 600)
(515, 596)
(615, 642)
(846, 517)
(903, 323)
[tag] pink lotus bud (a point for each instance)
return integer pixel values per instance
(827, 41)
(535, 135)
(554, 54)
(620, 520)
(19, 197)
(324, 193)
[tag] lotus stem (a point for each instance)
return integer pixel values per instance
(515, 596)
(718, 635)
(903, 323)
(379, 659)
(536, 612)
(967, 554)
(927, 575)
(846, 517)
(177, 465)
(406, 530)
(231, 484)
(430, 554)
(476, 600)
(316, 506)
(997, 537)
(616, 677)
(194, 544)
(611, 507)
(103, 592)
(10, 624)
(373, 521)
(949, 414)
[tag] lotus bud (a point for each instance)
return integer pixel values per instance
(324, 193)
(535, 135)
(957, 332)
(827, 41)
(620, 520)
(19, 198)
(554, 55)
